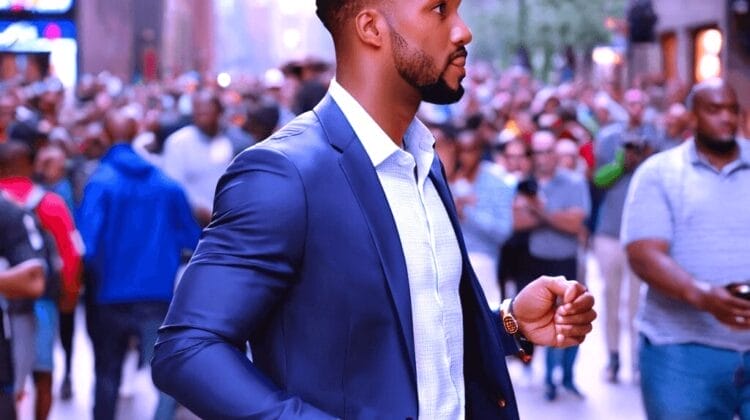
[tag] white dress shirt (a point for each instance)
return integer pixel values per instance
(433, 259)
(197, 162)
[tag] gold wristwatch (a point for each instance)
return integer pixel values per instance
(524, 347)
(506, 314)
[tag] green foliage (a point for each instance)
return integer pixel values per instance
(543, 26)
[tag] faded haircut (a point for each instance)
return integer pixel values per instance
(333, 13)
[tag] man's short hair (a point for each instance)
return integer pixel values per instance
(333, 13)
(14, 150)
(714, 82)
(209, 96)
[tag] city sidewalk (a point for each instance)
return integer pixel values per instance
(602, 400)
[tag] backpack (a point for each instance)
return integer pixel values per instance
(48, 251)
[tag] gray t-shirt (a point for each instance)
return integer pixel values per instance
(704, 214)
(566, 190)
(614, 136)
(610, 211)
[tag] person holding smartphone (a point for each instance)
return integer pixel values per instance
(685, 226)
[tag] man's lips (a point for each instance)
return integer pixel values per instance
(459, 61)
(458, 58)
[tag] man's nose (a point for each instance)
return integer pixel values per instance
(461, 34)
(728, 116)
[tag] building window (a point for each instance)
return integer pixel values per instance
(707, 45)
(669, 55)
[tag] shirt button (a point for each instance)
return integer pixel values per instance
(501, 403)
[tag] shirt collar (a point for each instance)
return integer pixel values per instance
(743, 161)
(418, 139)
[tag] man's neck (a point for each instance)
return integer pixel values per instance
(392, 111)
(210, 133)
(543, 178)
(717, 159)
(470, 173)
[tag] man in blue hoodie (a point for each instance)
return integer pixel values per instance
(135, 223)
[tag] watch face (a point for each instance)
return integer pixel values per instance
(510, 324)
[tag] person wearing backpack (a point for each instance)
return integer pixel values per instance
(21, 277)
(56, 222)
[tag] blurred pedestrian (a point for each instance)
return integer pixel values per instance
(17, 163)
(51, 170)
(135, 222)
(195, 156)
(483, 195)
(446, 148)
(21, 277)
(620, 148)
(676, 127)
(558, 214)
(685, 226)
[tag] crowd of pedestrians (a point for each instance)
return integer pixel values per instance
(105, 189)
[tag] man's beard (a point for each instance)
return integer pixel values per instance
(717, 146)
(418, 69)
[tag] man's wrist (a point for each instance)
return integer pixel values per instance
(508, 318)
(524, 347)
(695, 294)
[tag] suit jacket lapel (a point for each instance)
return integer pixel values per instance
(468, 278)
(438, 179)
(486, 343)
(365, 184)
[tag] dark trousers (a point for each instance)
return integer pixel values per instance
(564, 358)
(7, 398)
(112, 327)
(67, 329)
(558, 357)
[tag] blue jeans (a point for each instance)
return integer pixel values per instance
(113, 325)
(560, 357)
(693, 381)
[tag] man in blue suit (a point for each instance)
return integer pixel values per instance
(335, 251)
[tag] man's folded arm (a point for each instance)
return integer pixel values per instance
(245, 262)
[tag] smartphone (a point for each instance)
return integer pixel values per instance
(741, 290)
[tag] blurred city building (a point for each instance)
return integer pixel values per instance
(145, 39)
(699, 39)
(150, 39)
(255, 35)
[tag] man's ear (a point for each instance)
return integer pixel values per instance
(371, 27)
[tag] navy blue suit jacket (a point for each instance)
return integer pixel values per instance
(303, 261)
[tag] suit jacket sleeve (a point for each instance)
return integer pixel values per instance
(244, 264)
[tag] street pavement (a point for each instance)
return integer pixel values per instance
(602, 400)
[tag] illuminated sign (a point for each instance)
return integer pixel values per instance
(53, 38)
(44, 7)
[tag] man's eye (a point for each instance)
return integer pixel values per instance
(441, 8)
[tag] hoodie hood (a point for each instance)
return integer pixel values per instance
(125, 159)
